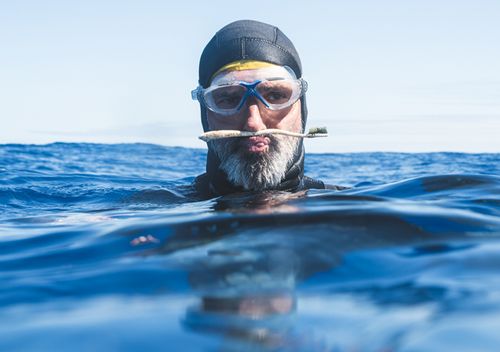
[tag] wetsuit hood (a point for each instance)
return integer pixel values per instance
(249, 40)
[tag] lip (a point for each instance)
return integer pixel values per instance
(257, 144)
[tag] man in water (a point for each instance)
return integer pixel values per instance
(250, 79)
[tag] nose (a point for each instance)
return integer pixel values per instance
(253, 119)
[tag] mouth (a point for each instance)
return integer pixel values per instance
(257, 144)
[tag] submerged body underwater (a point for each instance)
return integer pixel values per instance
(103, 247)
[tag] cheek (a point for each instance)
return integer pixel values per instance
(292, 121)
(218, 122)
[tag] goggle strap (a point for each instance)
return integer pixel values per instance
(195, 93)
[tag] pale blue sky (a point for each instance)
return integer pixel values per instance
(416, 75)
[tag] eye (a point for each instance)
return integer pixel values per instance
(228, 97)
(276, 96)
(276, 92)
(227, 102)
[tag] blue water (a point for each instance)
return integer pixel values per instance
(104, 248)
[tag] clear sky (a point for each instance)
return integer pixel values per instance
(386, 75)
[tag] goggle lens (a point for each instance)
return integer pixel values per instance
(226, 97)
(276, 92)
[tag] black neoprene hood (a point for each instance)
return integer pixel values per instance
(247, 40)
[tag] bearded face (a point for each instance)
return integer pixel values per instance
(260, 162)
(255, 171)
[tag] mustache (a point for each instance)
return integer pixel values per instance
(236, 145)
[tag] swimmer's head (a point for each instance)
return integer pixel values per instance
(250, 79)
(248, 45)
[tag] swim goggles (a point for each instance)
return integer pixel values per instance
(228, 98)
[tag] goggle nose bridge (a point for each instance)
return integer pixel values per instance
(250, 90)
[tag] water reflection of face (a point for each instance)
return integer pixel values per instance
(252, 306)
(267, 202)
(259, 320)
(256, 163)
(246, 294)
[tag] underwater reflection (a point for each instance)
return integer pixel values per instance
(267, 202)
(249, 321)
(245, 279)
(248, 259)
(249, 304)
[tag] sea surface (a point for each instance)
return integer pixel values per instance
(104, 248)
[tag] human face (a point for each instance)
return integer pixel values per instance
(260, 162)
(254, 115)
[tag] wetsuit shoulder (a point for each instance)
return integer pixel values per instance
(335, 187)
(201, 185)
(310, 183)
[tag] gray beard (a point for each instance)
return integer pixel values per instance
(255, 171)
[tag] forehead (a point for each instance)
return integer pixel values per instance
(272, 72)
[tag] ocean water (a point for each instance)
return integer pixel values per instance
(103, 248)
